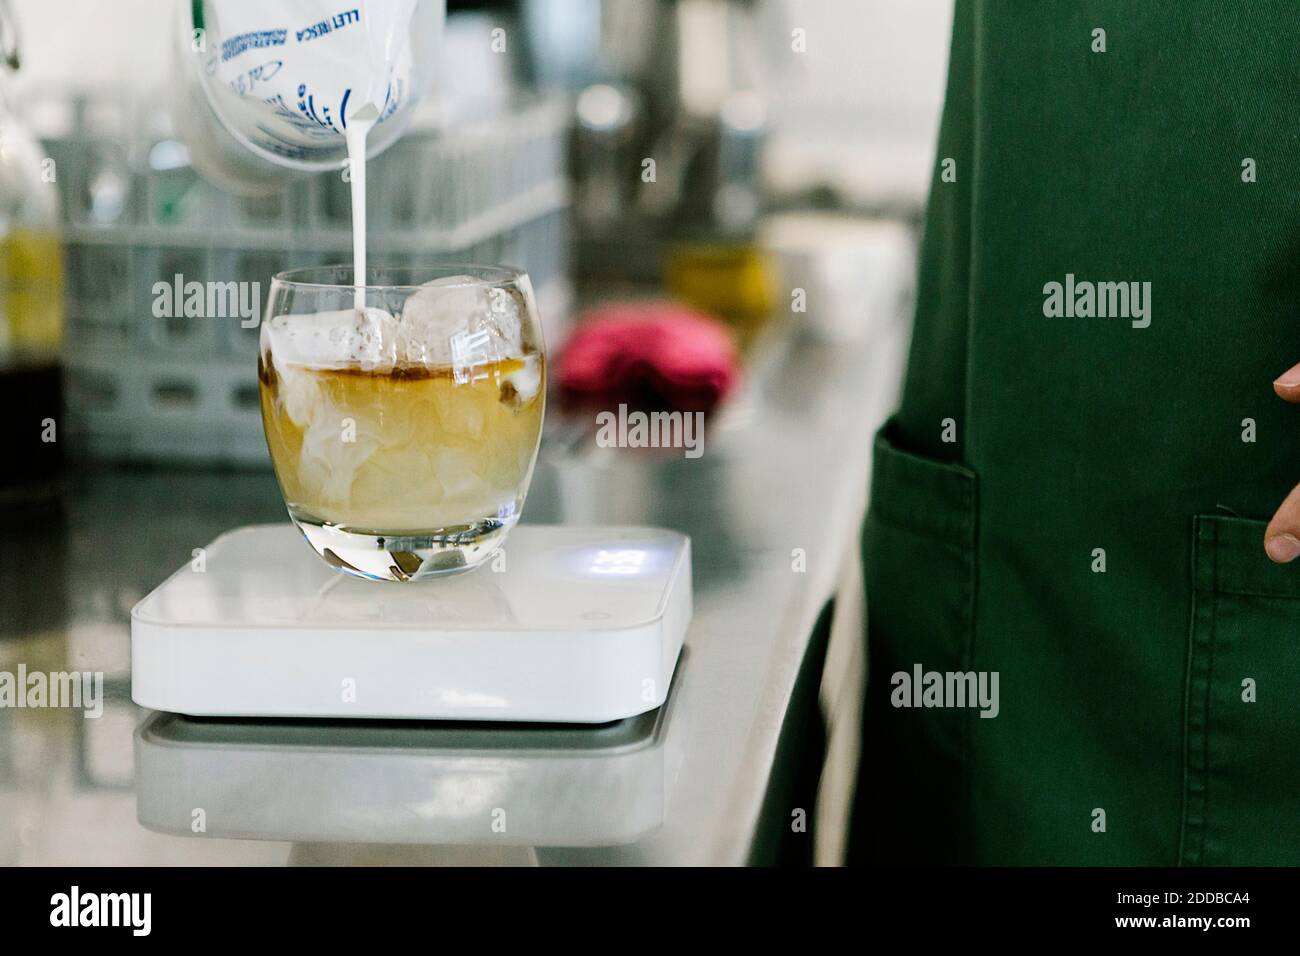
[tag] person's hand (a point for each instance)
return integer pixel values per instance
(1282, 538)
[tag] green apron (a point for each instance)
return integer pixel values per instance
(1094, 532)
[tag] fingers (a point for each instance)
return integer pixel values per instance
(1282, 538)
(1287, 385)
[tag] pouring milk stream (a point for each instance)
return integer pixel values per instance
(356, 137)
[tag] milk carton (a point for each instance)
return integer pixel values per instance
(272, 87)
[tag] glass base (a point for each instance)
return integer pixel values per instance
(404, 556)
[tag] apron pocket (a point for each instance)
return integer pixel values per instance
(1241, 786)
(918, 545)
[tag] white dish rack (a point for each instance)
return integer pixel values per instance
(141, 388)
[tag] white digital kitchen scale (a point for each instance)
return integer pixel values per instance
(564, 624)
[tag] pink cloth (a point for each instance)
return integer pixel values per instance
(653, 356)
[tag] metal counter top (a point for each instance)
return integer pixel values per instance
(783, 474)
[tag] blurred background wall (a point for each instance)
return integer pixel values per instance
(866, 109)
(74, 43)
(863, 110)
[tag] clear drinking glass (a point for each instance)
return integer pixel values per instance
(403, 415)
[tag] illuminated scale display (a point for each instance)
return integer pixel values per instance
(564, 624)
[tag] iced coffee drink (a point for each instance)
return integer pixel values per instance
(404, 434)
